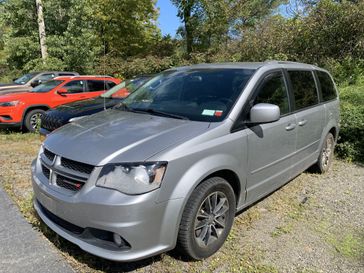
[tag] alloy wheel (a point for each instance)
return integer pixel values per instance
(211, 219)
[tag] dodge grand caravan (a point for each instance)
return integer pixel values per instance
(180, 156)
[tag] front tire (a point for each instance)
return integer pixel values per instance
(207, 219)
(32, 120)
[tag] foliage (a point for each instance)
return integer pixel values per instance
(39, 64)
(350, 143)
(78, 31)
(330, 31)
(209, 24)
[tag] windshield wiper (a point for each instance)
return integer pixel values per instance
(158, 113)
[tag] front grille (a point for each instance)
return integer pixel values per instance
(77, 166)
(69, 183)
(46, 171)
(64, 171)
(48, 154)
(51, 123)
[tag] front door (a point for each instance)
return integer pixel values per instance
(271, 146)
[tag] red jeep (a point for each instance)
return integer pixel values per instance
(24, 109)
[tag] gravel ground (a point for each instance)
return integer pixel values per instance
(313, 224)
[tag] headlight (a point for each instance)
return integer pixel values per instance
(132, 178)
(9, 103)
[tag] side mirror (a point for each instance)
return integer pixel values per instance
(62, 92)
(264, 113)
(35, 83)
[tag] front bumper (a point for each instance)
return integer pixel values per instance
(148, 227)
(5, 125)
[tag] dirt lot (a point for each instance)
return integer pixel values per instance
(313, 224)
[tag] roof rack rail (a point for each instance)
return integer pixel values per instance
(104, 76)
(281, 62)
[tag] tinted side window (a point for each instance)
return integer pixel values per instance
(327, 86)
(273, 90)
(75, 86)
(46, 77)
(304, 88)
(110, 85)
(66, 74)
(94, 85)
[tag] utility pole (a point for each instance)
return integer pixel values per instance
(41, 27)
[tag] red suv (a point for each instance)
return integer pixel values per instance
(25, 109)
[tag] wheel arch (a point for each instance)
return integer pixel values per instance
(33, 107)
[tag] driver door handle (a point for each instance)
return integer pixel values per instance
(290, 126)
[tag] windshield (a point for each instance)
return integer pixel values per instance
(196, 94)
(125, 88)
(25, 78)
(47, 86)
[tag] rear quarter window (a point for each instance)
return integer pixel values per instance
(97, 85)
(328, 91)
(304, 89)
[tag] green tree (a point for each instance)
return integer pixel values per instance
(126, 27)
(208, 24)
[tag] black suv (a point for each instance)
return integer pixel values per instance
(55, 118)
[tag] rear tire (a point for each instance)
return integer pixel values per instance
(326, 155)
(207, 219)
(32, 120)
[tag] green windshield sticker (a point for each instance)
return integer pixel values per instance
(207, 112)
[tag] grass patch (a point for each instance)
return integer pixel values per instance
(285, 229)
(349, 245)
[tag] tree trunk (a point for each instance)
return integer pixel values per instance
(41, 27)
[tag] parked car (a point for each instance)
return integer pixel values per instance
(25, 109)
(27, 81)
(182, 154)
(57, 117)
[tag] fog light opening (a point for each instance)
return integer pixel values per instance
(118, 240)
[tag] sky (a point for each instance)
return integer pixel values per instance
(169, 22)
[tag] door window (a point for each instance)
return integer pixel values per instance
(94, 86)
(46, 77)
(273, 90)
(304, 88)
(66, 74)
(327, 86)
(110, 85)
(75, 87)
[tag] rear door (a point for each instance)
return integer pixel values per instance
(96, 87)
(271, 146)
(310, 117)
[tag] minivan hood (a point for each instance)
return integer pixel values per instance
(115, 136)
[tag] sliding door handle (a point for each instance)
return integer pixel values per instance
(302, 122)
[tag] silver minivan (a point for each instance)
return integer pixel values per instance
(176, 160)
